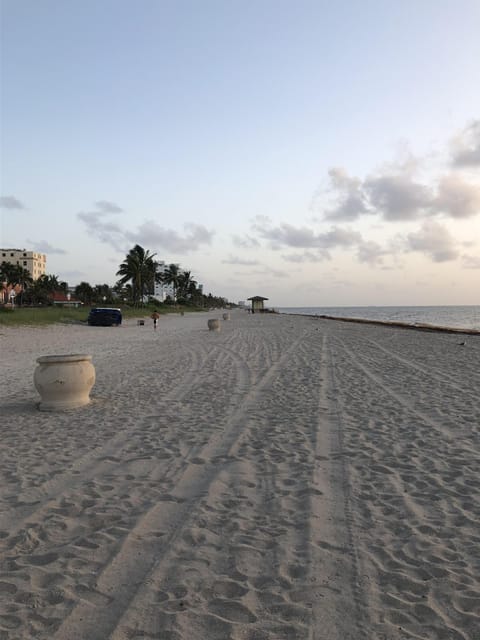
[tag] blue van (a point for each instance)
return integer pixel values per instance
(105, 317)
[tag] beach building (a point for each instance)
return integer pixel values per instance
(257, 303)
(162, 290)
(61, 299)
(35, 263)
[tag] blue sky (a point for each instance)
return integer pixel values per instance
(317, 153)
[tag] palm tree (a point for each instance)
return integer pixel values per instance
(51, 283)
(139, 268)
(186, 284)
(171, 275)
(43, 288)
(16, 277)
(14, 274)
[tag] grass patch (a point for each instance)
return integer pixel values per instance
(38, 316)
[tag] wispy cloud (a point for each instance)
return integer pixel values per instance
(152, 234)
(45, 247)
(240, 261)
(268, 271)
(149, 233)
(287, 235)
(10, 202)
(105, 206)
(307, 256)
(465, 147)
(471, 262)
(106, 232)
(245, 242)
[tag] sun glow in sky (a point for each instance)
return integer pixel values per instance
(316, 153)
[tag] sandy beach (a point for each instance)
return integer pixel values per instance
(285, 478)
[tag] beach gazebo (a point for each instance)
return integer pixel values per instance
(257, 303)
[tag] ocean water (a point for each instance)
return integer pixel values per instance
(458, 317)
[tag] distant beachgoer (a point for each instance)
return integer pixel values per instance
(155, 316)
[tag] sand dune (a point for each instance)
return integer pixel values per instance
(285, 478)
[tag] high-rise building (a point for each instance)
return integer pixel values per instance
(35, 263)
(161, 290)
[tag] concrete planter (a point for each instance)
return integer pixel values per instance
(226, 316)
(214, 324)
(64, 382)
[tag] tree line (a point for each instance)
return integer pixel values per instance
(138, 275)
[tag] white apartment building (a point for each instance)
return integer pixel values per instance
(35, 263)
(161, 290)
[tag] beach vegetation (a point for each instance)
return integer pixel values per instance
(49, 300)
(14, 274)
(138, 269)
(84, 292)
(46, 315)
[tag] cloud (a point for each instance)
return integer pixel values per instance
(107, 232)
(10, 202)
(371, 252)
(395, 193)
(435, 241)
(152, 234)
(45, 247)
(108, 207)
(465, 147)
(471, 262)
(338, 237)
(268, 271)
(287, 235)
(397, 196)
(240, 261)
(245, 242)
(457, 198)
(349, 195)
(149, 234)
(308, 256)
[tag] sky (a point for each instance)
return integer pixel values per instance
(316, 153)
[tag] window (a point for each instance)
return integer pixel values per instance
(24, 263)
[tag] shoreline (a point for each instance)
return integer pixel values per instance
(420, 326)
(280, 478)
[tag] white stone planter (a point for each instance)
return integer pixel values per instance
(64, 382)
(214, 324)
(226, 316)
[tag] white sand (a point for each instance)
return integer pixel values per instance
(286, 478)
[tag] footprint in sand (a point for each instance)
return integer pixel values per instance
(228, 589)
(9, 622)
(231, 610)
(42, 560)
(7, 588)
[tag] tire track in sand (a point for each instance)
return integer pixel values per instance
(95, 462)
(142, 552)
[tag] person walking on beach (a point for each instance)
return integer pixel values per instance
(155, 316)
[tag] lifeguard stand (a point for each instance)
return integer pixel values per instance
(257, 303)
